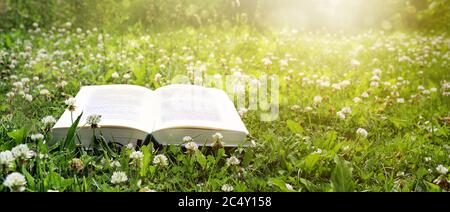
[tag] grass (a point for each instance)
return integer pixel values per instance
(308, 148)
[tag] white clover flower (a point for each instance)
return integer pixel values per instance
(308, 109)
(36, 137)
(317, 99)
(362, 132)
(126, 76)
(187, 139)
(44, 92)
(217, 136)
(160, 160)
(22, 151)
(427, 159)
(266, 61)
(295, 107)
(191, 146)
(289, 187)
(374, 84)
(157, 77)
(420, 88)
(341, 114)
(137, 155)
(130, 146)
(93, 119)
(365, 95)
(115, 75)
(48, 120)
(400, 100)
(28, 97)
(442, 169)
(6, 158)
(70, 102)
(119, 177)
(433, 89)
(346, 110)
(242, 112)
(227, 188)
(15, 182)
(233, 161)
(115, 164)
(355, 62)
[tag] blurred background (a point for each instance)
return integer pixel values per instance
(332, 15)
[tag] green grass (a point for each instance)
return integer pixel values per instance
(311, 150)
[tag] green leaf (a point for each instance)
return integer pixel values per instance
(247, 158)
(70, 138)
(341, 177)
(294, 127)
(28, 177)
(18, 135)
(201, 159)
(421, 172)
(145, 161)
(280, 184)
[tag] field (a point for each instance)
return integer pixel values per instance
(357, 112)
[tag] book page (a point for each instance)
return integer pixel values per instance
(191, 106)
(125, 106)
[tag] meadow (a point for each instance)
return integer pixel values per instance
(366, 111)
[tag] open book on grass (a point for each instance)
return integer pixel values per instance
(130, 114)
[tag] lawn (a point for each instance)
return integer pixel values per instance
(365, 111)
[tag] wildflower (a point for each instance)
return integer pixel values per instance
(441, 169)
(346, 110)
(340, 114)
(137, 155)
(6, 159)
(266, 61)
(70, 102)
(157, 77)
(364, 95)
(93, 120)
(317, 99)
(242, 112)
(233, 161)
(187, 139)
(427, 159)
(362, 132)
(28, 97)
(227, 188)
(15, 182)
(295, 107)
(115, 164)
(119, 177)
(289, 187)
(50, 190)
(400, 100)
(127, 76)
(308, 109)
(217, 140)
(191, 147)
(36, 137)
(44, 92)
(160, 160)
(22, 152)
(48, 120)
(130, 146)
(374, 84)
(355, 63)
(76, 164)
(115, 75)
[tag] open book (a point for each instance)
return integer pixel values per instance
(130, 114)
